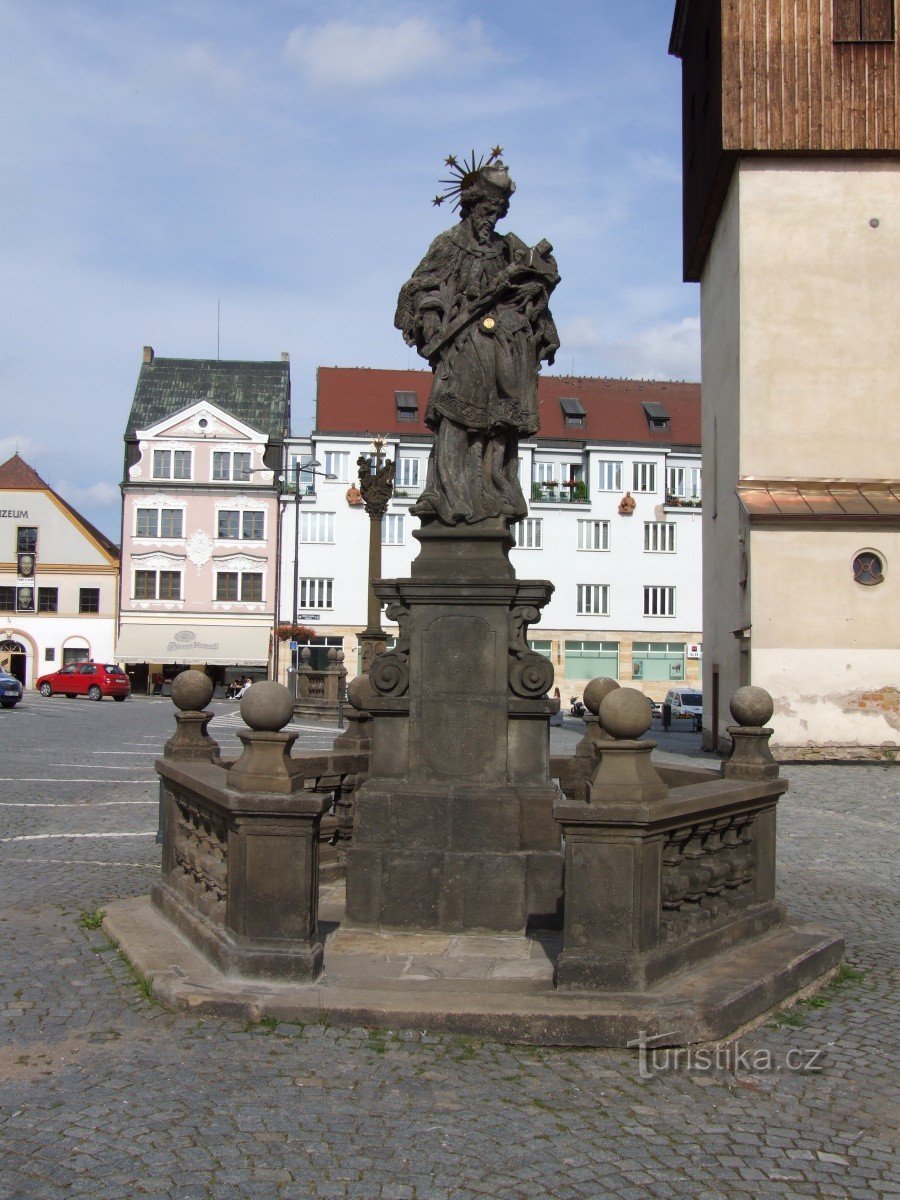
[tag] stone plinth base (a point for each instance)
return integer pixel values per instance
(463, 859)
(493, 988)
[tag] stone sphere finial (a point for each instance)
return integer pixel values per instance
(360, 692)
(596, 692)
(267, 706)
(752, 706)
(192, 691)
(625, 713)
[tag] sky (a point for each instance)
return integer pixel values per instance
(274, 162)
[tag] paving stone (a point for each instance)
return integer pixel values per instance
(104, 1094)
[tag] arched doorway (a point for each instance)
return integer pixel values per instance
(13, 659)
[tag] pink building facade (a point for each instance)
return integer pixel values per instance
(200, 519)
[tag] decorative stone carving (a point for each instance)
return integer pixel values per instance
(530, 674)
(200, 859)
(389, 673)
(707, 873)
(376, 486)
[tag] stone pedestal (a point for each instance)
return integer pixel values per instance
(454, 827)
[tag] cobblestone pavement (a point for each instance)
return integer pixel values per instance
(105, 1095)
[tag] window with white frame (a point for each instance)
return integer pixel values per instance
(392, 529)
(171, 464)
(234, 525)
(246, 586)
(316, 527)
(337, 463)
(407, 474)
(593, 599)
(543, 472)
(659, 601)
(159, 522)
(593, 535)
(643, 477)
(609, 475)
(232, 465)
(171, 523)
(683, 482)
(315, 593)
(157, 585)
(659, 537)
(528, 533)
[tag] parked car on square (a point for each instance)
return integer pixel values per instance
(10, 690)
(687, 702)
(94, 680)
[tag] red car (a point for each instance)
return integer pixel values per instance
(94, 680)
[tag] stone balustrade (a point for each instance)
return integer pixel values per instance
(240, 860)
(657, 877)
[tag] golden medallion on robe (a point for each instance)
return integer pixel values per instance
(488, 325)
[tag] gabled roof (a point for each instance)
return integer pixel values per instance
(18, 476)
(257, 393)
(362, 400)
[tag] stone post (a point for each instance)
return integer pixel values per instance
(574, 772)
(191, 692)
(611, 880)
(376, 487)
(750, 756)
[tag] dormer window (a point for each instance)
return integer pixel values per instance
(407, 406)
(573, 413)
(657, 416)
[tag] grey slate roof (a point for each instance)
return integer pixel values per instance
(257, 393)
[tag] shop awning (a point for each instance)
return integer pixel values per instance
(215, 645)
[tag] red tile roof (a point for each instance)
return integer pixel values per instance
(361, 400)
(17, 475)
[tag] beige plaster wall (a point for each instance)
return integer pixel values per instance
(826, 647)
(820, 317)
(723, 597)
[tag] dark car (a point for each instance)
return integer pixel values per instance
(94, 680)
(10, 690)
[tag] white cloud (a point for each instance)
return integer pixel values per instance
(667, 350)
(19, 444)
(344, 54)
(95, 495)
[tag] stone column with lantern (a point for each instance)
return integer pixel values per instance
(376, 483)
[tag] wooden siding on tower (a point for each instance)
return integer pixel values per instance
(768, 77)
(797, 89)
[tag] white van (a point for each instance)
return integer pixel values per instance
(686, 703)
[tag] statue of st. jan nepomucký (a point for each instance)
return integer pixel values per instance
(476, 308)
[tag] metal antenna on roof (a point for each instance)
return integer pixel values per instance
(218, 328)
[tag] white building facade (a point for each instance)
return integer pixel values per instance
(613, 522)
(58, 579)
